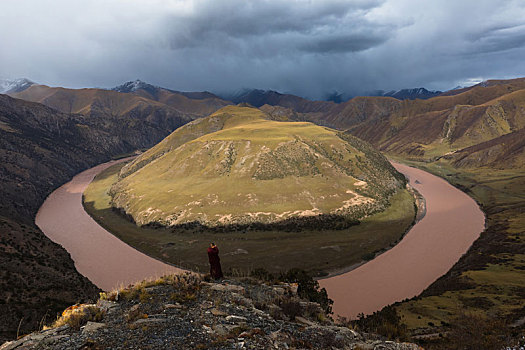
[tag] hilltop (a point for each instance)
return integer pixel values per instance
(236, 167)
(185, 312)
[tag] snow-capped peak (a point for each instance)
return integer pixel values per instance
(14, 85)
(132, 86)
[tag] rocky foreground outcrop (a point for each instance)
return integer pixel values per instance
(185, 312)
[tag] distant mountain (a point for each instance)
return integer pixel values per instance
(154, 90)
(133, 86)
(450, 122)
(409, 94)
(404, 94)
(430, 126)
(15, 85)
(199, 103)
(259, 98)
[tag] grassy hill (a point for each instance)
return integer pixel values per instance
(275, 195)
(250, 170)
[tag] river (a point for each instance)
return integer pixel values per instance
(103, 258)
(453, 221)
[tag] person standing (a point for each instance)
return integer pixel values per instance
(215, 261)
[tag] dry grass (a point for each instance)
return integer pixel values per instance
(78, 315)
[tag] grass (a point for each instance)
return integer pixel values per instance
(276, 251)
(78, 315)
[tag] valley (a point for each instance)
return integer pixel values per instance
(471, 137)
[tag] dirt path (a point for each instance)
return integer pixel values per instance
(104, 259)
(453, 221)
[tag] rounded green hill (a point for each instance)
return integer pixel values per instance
(236, 167)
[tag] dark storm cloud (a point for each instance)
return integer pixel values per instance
(307, 47)
(498, 39)
(280, 26)
(347, 43)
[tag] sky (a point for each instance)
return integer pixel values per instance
(306, 47)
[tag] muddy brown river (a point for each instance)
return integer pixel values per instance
(453, 221)
(103, 258)
(451, 224)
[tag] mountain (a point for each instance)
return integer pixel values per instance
(13, 86)
(40, 149)
(200, 103)
(503, 152)
(433, 127)
(259, 98)
(411, 94)
(134, 119)
(240, 159)
(448, 123)
(159, 110)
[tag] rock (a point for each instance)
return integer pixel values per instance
(148, 320)
(310, 307)
(206, 304)
(279, 290)
(236, 319)
(304, 321)
(208, 329)
(195, 324)
(223, 329)
(91, 327)
(57, 330)
(106, 305)
(241, 300)
(217, 312)
(228, 288)
(54, 339)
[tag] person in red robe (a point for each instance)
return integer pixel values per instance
(215, 261)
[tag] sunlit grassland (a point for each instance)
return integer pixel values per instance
(242, 168)
(316, 251)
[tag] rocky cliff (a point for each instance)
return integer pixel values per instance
(185, 312)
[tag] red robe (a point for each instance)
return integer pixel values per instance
(215, 263)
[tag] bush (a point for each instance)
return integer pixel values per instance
(78, 315)
(308, 288)
(262, 274)
(385, 322)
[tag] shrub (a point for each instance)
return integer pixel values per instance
(308, 288)
(78, 315)
(291, 308)
(262, 274)
(385, 322)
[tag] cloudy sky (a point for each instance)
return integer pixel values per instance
(306, 47)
